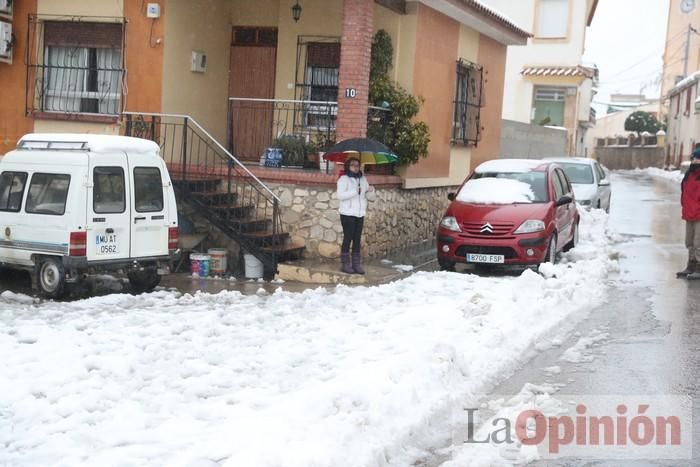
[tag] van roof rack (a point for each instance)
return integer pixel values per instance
(53, 145)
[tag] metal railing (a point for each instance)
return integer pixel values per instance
(212, 180)
(306, 126)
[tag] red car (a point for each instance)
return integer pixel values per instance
(509, 212)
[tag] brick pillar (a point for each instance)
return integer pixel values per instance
(355, 50)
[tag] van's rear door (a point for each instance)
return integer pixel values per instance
(149, 226)
(109, 212)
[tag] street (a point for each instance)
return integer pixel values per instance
(327, 373)
(648, 331)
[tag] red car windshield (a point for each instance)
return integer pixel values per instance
(536, 180)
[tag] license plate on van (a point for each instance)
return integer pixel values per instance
(491, 259)
(106, 244)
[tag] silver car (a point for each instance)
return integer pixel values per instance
(589, 180)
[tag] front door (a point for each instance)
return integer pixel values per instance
(149, 225)
(252, 75)
(109, 211)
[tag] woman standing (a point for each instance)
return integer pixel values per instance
(353, 193)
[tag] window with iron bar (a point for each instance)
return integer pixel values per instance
(75, 67)
(466, 124)
(318, 72)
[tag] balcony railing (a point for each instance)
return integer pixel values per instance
(257, 124)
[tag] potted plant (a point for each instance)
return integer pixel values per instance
(295, 150)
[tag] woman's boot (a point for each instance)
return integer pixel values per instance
(345, 263)
(357, 263)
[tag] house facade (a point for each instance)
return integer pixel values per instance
(683, 122)
(682, 34)
(546, 82)
(247, 73)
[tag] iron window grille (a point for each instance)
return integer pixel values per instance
(317, 77)
(75, 65)
(466, 124)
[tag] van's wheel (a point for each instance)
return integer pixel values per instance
(574, 240)
(51, 277)
(269, 274)
(552, 250)
(143, 281)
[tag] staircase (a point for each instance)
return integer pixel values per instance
(220, 188)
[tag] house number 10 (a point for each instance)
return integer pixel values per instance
(350, 93)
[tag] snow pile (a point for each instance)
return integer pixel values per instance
(284, 379)
(531, 397)
(495, 191)
(580, 352)
(672, 175)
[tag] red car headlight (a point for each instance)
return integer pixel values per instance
(450, 223)
(530, 226)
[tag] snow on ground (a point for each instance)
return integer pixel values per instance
(672, 175)
(531, 397)
(350, 376)
(403, 267)
(581, 351)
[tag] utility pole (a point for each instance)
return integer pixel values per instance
(691, 29)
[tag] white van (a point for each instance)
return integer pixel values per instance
(77, 204)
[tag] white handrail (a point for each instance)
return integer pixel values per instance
(192, 120)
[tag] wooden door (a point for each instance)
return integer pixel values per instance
(252, 75)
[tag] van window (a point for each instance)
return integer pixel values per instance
(48, 194)
(148, 189)
(108, 194)
(12, 190)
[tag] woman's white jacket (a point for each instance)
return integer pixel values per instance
(352, 202)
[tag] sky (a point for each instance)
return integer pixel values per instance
(626, 42)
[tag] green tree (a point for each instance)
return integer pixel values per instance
(407, 138)
(641, 121)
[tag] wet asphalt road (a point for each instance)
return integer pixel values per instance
(652, 318)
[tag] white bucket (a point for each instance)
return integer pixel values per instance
(218, 260)
(253, 267)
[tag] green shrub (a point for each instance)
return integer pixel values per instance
(295, 149)
(407, 138)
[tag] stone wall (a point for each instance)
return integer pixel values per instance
(526, 141)
(621, 158)
(398, 218)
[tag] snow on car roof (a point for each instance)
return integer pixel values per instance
(572, 160)
(91, 142)
(509, 166)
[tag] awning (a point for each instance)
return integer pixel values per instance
(564, 71)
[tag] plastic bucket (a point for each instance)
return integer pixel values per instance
(218, 262)
(253, 267)
(204, 265)
(199, 264)
(195, 263)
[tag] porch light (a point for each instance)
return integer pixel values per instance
(296, 12)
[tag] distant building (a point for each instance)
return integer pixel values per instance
(683, 122)
(627, 102)
(546, 82)
(612, 124)
(682, 15)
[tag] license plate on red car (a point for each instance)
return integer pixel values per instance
(491, 259)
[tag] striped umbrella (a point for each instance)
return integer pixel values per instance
(365, 157)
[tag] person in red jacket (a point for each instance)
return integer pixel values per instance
(690, 202)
